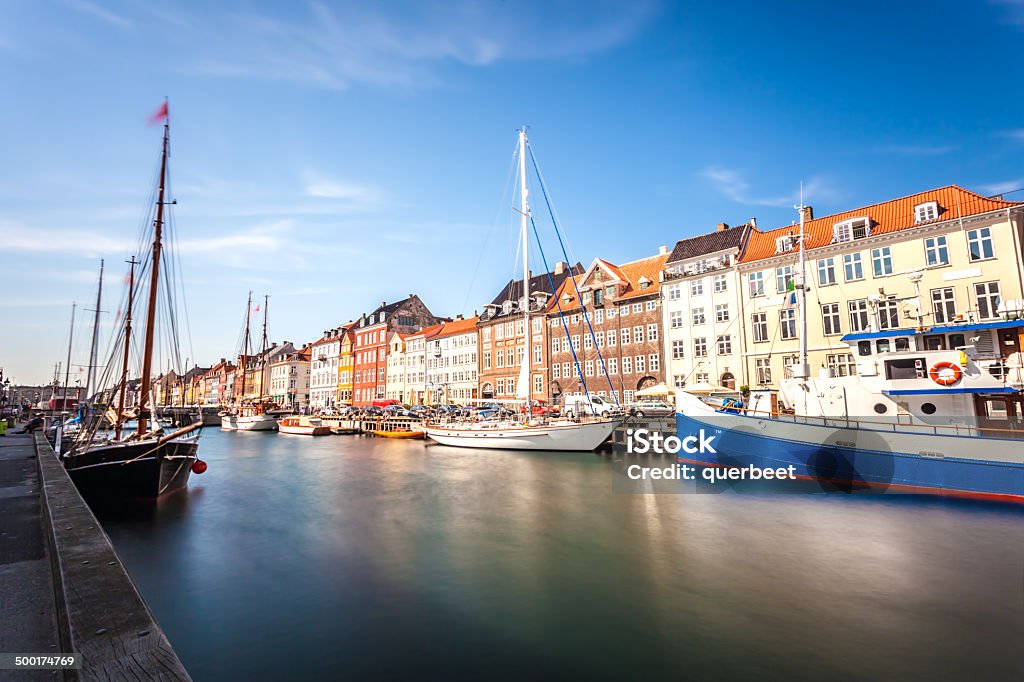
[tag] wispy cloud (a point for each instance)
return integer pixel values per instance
(1017, 134)
(101, 13)
(336, 46)
(916, 149)
(1002, 187)
(327, 188)
(1013, 11)
(733, 185)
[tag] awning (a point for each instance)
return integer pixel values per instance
(656, 390)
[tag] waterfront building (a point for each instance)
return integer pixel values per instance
(395, 376)
(502, 337)
(345, 367)
(944, 256)
(162, 388)
(452, 363)
(622, 305)
(214, 383)
(324, 363)
(228, 393)
(257, 369)
(416, 392)
(701, 302)
(289, 379)
(371, 333)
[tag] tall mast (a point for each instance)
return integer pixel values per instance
(95, 337)
(67, 367)
(524, 210)
(263, 351)
(803, 371)
(154, 284)
(127, 346)
(245, 344)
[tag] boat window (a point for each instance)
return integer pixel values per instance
(902, 344)
(902, 368)
(957, 340)
(928, 408)
(935, 342)
(883, 345)
(864, 348)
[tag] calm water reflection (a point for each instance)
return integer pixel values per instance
(301, 558)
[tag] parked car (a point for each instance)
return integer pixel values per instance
(577, 405)
(651, 408)
(373, 411)
(539, 408)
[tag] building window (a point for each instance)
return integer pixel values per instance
(499, 358)
(830, 319)
(698, 316)
(979, 243)
(936, 251)
(943, 305)
(599, 316)
(538, 384)
(624, 310)
(675, 319)
(853, 269)
(555, 345)
(678, 350)
(576, 341)
(611, 337)
(848, 230)
(987, 294)
(673, 292)
(826, 271)
(841, 364)
(925, 212)
(721, 283)
(859, 320)
(763, 370)
(787, 323)
(784, 244)
(627, 365)
(652, 332)
(638, 307)
(697, 287)
(638, 334)
(566, 372)
(725, 345)
(640, 363)
(588, 368)
(651, 305)
(722, 312)
(700, 347)
(888, 314)
(624, 333)
(653, 362)
(759, 323)
(881, 261)
(755, 284)
(679, 381)
(538, 353)
(588, 342)
(613, 365)
(787, 365)
(783, 278)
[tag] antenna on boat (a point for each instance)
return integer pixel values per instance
(802, 370)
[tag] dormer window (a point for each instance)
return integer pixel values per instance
(848, 230)
(644, 283)
(784, 244)
(926, 211)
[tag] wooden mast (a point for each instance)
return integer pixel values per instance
(245, 346)
(95, 338)
(127, 346)
(154, 283)
(263, 351)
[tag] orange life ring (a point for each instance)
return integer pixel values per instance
(945, 373)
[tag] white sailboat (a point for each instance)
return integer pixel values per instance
(251, 415)
(557, 435)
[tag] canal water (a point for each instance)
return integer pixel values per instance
(322, 558)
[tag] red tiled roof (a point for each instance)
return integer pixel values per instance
(429, 332)
(648, 268)
(888, 216)
(458, 327)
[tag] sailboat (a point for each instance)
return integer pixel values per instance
(146, 463)
(255, 414)
(925, 390)
(530, 434)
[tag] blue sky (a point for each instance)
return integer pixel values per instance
(337, 154)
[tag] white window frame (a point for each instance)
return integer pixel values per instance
(926, 212)
(934, 248)
(853, 267)
(881, 261)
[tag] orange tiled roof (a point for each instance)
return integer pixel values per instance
(458, 327)
(566, 289)
(648, 268)
(888, 216)
(429, 332)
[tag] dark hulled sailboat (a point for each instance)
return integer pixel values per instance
(148, 462)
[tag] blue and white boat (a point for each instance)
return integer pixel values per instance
(936, 410)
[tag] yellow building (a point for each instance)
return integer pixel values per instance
(944, 256)
(345, 363)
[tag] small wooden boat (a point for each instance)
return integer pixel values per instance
(344, 430)
(399, 434)
(303, 426)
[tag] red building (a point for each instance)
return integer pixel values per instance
(369, 352)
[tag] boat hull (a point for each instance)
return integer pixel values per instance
(853, 459)
(134, 471)
(399, 434)
(305, 430)
(259, 422)
(585, 437)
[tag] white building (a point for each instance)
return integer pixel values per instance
(323, 377)
(289, 379)
(394, 386)
(416, 365)
(452, 362)
(701, 305)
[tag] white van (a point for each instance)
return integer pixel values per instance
(578, 405)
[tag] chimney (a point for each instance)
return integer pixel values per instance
(662, 250)
(383, 303)
(722, 227)
(808, 213)
(560, 267)
(753, 223)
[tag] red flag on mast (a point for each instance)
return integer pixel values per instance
(160, 115)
